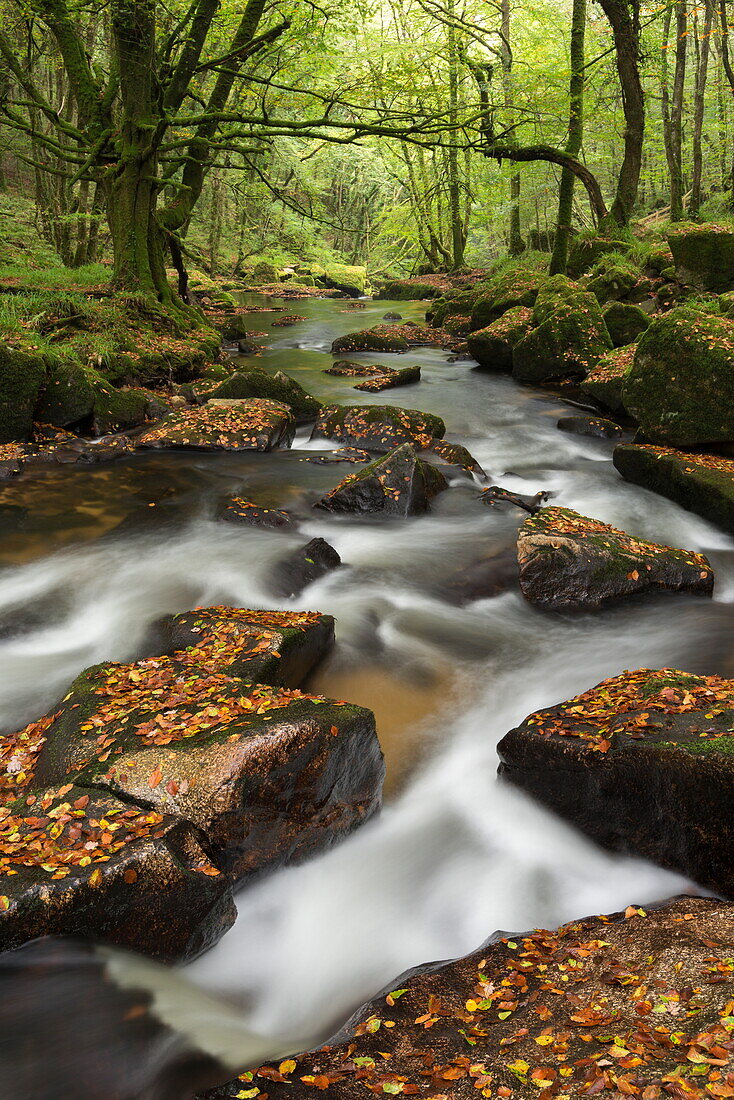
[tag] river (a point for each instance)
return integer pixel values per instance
(90, 556)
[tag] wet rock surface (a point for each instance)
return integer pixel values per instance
(570, 560)
(400, 484)
(702, 483)
(377, 427)
(303, 566)
(390, 380)
(615, 1005)
(224, 425)
(642, 763)
(594, 426)
(240, 510)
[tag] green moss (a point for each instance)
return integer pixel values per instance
(515, 286)
(493, 346)
(569, 338)
(588, 248)
(276, 387)
(704, 256)
(625, 322)
(707, 746)
(21, 377)
(681, 384)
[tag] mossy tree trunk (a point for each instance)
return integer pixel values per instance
(703, 40)
(624, 19)
(559, 258)
(676, 112)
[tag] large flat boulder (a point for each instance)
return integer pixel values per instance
(680, 387)
(400, 484)
(570, 560)
(224, 425)
(630, 1004)
(244, 385)
(701, 483)
(83, 863)
(390, 380)
(377, 427)
(369, 340)
(704, 256)
(643, 763)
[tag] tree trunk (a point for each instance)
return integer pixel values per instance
(516, 243)
(694, 204)
(624, 20)
(676, 113)
(575, 138)
(455, 212)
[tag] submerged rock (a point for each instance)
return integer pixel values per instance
(680, 387)
(611, 1005)
(82, 861)
(255, 425)
(302, 567)
(378, 427)
(594, 426)
(701, 483)
(243, 385)
(605, 381)
(389, 380)
(570, 560)
(492, 347)
(642, 763)
(239, 510)
(400, 484)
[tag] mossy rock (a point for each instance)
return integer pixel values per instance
(368, 341)
(277, 387)
(700, 483)
(680, 387)
(726, 304)
(223, 299)
(21, 377)
(625, 322)
(345, 277)
(610, 281)
(378, 427)
(513, 287)
(704, 256)
(397, 484)
(586, 251)
(407, 290)
(117, 410)
(81, 396)
(265, 272)
(569, 338)
(605, 381)
(492, 346)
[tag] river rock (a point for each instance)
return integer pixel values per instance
(369, 340)
(570, 560)
(568, 337)
(455, 455)
(630, 1004)
(81, 862)
(239, 510)
(704, 256)
(345, 368)
(400, 484)
(594, 426)
(255, 425)
(377, 427)
(605, 381)
(302, 567)
(389, 380)
(513, 287)
(243, 385)
(701, 483)
(625, 322)
(270, 647)
(642, 763)
(12, 458)
(22, 376)
(267, 773)
(76, 394)
(492, 347)
(392, 316)
(680, 387)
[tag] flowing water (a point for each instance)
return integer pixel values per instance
(89, 557)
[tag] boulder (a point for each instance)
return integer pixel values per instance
(400, 484)
(302, 567)
(568, 339)
(641, 763)
(492, 347)
(390, 380)
(345, 368)
(12, 457)
(345, 277)
(243, 385)
(585, 251)
(605, 381)
(377, 427)
(680, 387)
(704, 256)
(22, 375)
(611, 278)
(593, 426)
(81, 862)
(239, 510)
(513, 287)
(455, 455)
(392, 316)
(79, 395)
(625, 322)
(224, 425)
(701, 483)
(245, 346)
(268, 774)
(626, 1004)
(407, 290)
(270, 647)
(368, 340)
(570, 560)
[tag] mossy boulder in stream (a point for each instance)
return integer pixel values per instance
(569, 335)
(605, 381)
(680, 387)
(399, 484)
(78, 861)
(625, 322)
(276, 387)
(80, 396)
(702, 483)
(570, 560)
(540, 1014)
(704, 256)
(368, 340)
(492, 347)
(516, 286)
(21, 376)
(224, 425)
(377, 427)
(643, 763)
